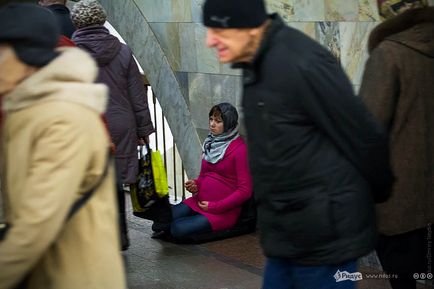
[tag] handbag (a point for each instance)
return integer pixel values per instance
(150, 193)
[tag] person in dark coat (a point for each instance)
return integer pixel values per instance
(62, 13)
(318, 158)
(398, 87)
(128, 116)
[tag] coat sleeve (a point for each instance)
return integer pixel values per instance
(139, 100)
(244, 185)
(328, 98)
(54, 174)
(380, 85)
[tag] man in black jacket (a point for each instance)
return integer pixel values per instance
(317, 156)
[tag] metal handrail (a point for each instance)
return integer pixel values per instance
(169, 166)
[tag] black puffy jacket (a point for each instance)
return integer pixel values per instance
(315, 152)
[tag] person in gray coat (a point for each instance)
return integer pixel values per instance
(128, 116)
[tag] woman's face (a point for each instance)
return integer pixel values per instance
(216, 125)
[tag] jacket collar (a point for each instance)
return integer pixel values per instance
(275, 25)
(69, 77)
(394, 28)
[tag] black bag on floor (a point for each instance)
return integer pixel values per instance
(144, 198)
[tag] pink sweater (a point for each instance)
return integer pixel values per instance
(226, 185)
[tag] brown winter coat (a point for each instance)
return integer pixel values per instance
(55, 149)
(398, 87)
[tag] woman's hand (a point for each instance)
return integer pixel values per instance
(191, 186)
(203, 205)
(142, 141)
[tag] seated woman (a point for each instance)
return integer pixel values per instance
(224, 182)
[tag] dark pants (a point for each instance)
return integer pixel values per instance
(122, 210)
(187, 222)
(285, 274)
(403, 255)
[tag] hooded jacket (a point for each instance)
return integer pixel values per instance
(127, 112)
(55, 148)
(310, 142)
(398, 87)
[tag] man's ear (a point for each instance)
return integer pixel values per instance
(254, 31)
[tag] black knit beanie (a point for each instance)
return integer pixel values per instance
(234, 13)
(32, 31)
(229, 116)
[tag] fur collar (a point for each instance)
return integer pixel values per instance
(398, 24)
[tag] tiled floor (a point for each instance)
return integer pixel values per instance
(234, 263)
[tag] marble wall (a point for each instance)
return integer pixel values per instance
(168, 39)
(342, 26)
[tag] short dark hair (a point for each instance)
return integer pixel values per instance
(215, 111)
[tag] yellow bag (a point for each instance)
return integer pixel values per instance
(159, 173)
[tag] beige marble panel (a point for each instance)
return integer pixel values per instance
(165, 10)
(181, 10)
(168, 37)
(354, 38)
(285, 8)
(309, 10)
(368, 10)
(188, 47)
(207, 61)
(341, 10)
(308, 28)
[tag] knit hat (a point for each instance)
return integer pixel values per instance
(234, 13)
(32, 31)
(391, 8)
(229, 116)
(88, 13)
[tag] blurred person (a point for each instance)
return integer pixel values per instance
(62, 13)
(318, 158)
(54, 147)
(224, 182)
(127, 113)
(398, 88)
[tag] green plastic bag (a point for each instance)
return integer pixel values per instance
(147, 202)
(159, 174)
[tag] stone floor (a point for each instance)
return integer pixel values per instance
(234, 263)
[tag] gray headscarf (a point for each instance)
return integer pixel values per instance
(214, 146)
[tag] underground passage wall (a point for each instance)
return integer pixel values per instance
(167, 38)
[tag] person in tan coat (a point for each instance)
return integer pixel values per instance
(398, 87)
(55, 148)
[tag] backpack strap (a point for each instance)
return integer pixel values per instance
(86, 196)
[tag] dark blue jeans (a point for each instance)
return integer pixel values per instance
(187, 222)
(284, 274)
